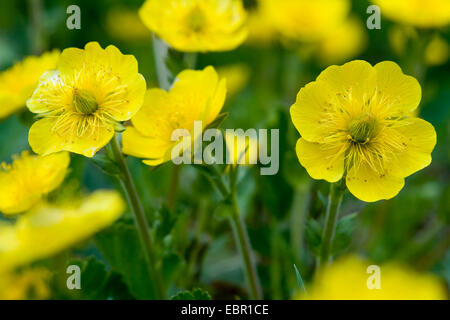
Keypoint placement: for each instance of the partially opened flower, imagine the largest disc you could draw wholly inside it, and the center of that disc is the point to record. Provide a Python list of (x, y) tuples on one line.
[(82, 101), (197, 25), (305, 20), (418, 13), (351, 278), (355, 124), (195, 96), (28, 178), (46, 230), (241, 149), (18, 82)]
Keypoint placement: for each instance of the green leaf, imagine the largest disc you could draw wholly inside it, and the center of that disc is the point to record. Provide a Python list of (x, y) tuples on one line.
[(196, 294), (171, 263), (344, 233), (217, 123), (121, 247), (164, 223), (106, 164), (300, 282), (313, 235)]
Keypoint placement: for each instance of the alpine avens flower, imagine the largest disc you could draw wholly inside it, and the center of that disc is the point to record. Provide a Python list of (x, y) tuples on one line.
[(418, 13), (84, 99), (49, 229), (24, 182), (348, 279), (195, 96), (18, 82), (196, 25), (356, 124), (241, 149), (305, 20)]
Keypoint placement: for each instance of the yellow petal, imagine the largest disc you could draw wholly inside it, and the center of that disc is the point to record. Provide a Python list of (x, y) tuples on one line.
[(314, 101), (418, 139), (320, 160), (150, 120), (44, 140), (56, 228), (140, 146), (354, 82), (28, 178), (202, 91), (401, 93), (51, 94), (368, 185), (18, 82), (13, 198)]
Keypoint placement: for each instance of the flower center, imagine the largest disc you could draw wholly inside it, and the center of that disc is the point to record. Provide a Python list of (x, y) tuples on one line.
[(362, 128), (196, 19), (84, 102)]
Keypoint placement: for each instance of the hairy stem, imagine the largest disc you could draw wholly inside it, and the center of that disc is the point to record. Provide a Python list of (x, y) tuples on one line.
[(141, 221), (332, 216)]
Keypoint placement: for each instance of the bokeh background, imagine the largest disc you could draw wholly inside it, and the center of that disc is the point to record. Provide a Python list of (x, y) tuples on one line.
[(283, 212)]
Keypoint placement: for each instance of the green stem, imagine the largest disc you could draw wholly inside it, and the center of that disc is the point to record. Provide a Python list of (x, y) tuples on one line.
[(141, 221), (242, 240), (35, 9), (171, 197), (160, 52), (239, 230), (190, 58), (334, 204)]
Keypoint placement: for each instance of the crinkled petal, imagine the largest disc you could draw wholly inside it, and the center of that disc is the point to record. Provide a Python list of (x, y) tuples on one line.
[(51, 94), (353, 83), (395, 90)]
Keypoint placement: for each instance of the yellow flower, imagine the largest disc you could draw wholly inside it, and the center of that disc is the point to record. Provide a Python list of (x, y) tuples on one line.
[(81, 102), (355, 123), (243, 149), (195, 96), (237, 76), (18, 82), (27, 284), (347, 41), (260, 30), (28, 178), (418, 13), (197, 25), (305, 20), (348, 279), (46, 230)]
